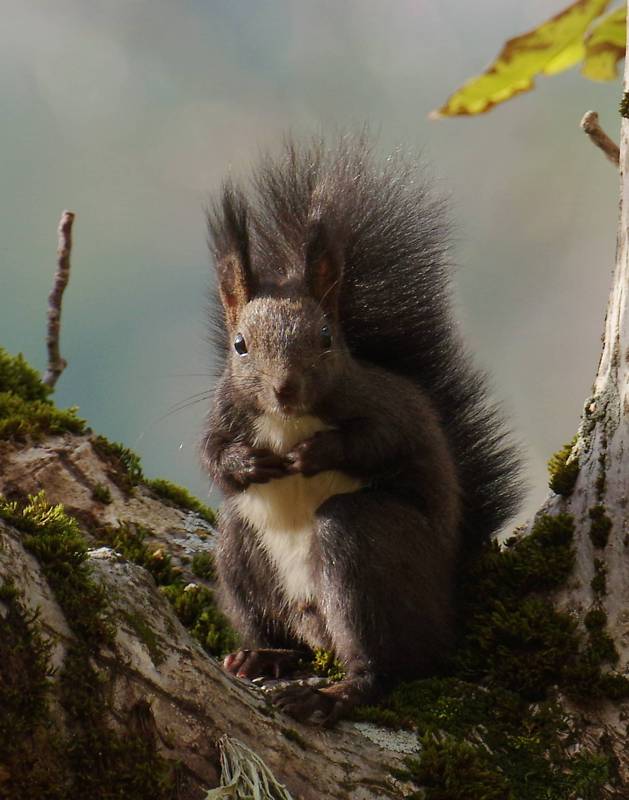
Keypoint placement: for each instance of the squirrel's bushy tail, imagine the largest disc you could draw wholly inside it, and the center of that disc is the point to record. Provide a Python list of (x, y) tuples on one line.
[(395, 305)]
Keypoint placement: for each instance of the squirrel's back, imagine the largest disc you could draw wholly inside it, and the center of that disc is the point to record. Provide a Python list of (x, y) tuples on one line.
[(395, 307)]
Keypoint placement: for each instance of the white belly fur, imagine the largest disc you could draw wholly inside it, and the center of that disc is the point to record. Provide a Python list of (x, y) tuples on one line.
[(282, 511)]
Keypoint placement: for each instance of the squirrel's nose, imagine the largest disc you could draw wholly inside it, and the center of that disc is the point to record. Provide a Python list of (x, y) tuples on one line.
[(286, 392)]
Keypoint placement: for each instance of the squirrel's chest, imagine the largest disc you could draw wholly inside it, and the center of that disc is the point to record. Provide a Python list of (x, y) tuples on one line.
[(282, 511)]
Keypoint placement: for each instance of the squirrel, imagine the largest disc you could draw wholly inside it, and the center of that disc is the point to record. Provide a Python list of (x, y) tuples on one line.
[(360, 458)]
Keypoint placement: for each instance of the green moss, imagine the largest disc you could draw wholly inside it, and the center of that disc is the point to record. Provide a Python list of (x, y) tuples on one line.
[(194, 605), (203, 566), (196, 608), (477, 739), (55, 540), (595, 620), (33, 419), (125, 465), (181, 498), (600, 526), (563, 473), (514, 638), (455, 770), (25, 670), (101, 494), (614, 686), (326, 665), (598, 583), (130, 540), (29, 753), (26, 411), (292, 735), (18, 378), (103, 763), (624, 106)]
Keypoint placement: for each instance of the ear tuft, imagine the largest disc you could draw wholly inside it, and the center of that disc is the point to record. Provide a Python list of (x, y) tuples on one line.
[(230, 236), (323, 266)]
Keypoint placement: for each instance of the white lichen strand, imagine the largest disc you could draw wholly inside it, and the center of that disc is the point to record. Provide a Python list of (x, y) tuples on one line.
[(244, 776)]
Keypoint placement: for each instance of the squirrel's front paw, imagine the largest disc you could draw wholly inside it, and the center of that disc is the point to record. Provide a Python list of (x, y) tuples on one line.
[(313, 455), (259, 466)]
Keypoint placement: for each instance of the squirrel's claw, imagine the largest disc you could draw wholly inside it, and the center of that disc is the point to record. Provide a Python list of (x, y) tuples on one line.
[(307, 704), (274, 663), (261, 466)]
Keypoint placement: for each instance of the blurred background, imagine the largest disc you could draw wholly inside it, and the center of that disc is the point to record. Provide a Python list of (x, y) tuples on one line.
[(129, 112)]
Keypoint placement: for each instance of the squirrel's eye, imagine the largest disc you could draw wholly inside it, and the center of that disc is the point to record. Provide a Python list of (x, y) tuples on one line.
[(240, 345), (326, 338)]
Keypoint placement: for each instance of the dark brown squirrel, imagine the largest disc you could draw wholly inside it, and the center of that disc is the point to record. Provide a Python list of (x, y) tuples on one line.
[(360, 458)]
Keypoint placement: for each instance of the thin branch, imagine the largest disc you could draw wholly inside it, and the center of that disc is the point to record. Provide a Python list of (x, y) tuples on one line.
[(56, 364), (597, 135)]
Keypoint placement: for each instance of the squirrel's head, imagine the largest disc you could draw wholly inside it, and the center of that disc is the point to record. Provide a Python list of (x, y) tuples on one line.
[(286, 350)]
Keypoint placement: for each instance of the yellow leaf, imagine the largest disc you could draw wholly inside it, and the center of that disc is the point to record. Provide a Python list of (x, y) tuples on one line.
[(605, 46), (569, 57), (555, 45)]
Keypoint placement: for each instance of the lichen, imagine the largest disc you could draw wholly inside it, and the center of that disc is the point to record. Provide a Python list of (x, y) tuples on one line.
[(181, 498), (563, 471)]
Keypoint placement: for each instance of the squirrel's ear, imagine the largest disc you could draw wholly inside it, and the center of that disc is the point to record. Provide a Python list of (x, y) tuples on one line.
[(324, 267), (233, 261)]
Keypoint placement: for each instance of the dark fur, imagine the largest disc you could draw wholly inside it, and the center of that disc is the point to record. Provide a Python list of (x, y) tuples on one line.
[(411, 412)]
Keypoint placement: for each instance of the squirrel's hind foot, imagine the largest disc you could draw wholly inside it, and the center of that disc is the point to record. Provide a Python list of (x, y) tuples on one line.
[(319, 706), (266, 662)]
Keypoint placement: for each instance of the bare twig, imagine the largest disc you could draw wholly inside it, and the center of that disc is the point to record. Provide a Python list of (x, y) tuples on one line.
[(597, 135), (56, 364)]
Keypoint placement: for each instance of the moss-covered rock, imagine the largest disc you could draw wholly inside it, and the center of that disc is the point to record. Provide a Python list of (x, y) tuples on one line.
[(26, 411), (91, 759), (563, 471), (125, 465), (196, 608)]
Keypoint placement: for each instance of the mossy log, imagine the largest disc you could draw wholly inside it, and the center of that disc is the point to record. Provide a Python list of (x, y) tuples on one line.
[(163, 699)]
